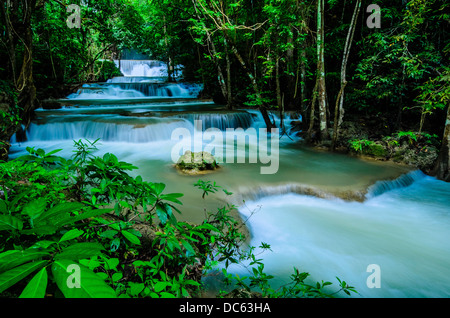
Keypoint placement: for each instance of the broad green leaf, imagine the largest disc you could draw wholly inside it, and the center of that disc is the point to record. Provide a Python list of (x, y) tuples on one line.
[(173, 197), (3, 207), (109, 234), (37, 286), (69, 219), (131, 237), (160, 286), (53, 152), (161, 212), (117, 276), (70, 235), (46, 229), (158, 188), (90, 284), (42, 244), (136, 288), (13, 276), (9, 222), (80, 250), (11, 259), (59, 210), (34, 208), (188, 246), (112, 263)]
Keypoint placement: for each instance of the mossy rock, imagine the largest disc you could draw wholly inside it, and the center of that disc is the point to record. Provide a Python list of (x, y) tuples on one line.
[(376, 150), (197, 163)]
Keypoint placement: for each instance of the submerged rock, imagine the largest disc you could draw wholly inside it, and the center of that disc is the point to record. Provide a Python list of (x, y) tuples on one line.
[(197, 163)]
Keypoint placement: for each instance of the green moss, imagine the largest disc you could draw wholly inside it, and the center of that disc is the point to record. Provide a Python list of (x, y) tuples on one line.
[(376, 150)]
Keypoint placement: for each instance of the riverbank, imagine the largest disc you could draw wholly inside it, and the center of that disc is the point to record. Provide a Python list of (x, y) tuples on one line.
[(370, 138)]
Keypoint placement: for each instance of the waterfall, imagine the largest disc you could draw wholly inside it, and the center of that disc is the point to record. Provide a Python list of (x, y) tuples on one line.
[(143, 79), (403, 181), (141, 67), (106, 131), (221, 121), (148, 68)]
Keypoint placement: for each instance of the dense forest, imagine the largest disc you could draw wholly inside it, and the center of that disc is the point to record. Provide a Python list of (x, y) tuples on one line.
[(333, 62), (370, 78)]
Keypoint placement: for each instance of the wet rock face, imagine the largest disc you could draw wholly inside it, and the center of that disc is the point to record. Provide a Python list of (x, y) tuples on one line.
[(197, 163)]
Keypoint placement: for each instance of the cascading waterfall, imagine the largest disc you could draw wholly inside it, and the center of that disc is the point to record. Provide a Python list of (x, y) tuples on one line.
[(403, 224), (403, 181), (147, 68), (142, 79)]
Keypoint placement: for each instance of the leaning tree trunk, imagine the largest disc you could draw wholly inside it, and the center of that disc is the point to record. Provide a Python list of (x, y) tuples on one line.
[(442, 167)]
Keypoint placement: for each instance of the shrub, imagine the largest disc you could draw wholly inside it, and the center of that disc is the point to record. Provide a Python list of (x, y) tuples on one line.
[(86, 223)]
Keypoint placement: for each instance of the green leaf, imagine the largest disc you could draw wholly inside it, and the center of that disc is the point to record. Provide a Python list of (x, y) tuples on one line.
[(188, 246), (131, 237), (117, 276), (70, 235), (158, 187), (90, 284), (46, 229), (112, 263), (35, 207), (80, 250), (83, 216), (160, 286), (37, 286), (136, 288), (173, 197), (9, 222), (161, 212), (109, 234), (13, 276), (62, 209), (11, 259), (42, 244), (71, 219)]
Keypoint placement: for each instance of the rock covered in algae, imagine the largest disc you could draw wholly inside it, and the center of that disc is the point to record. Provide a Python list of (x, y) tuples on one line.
[(197, 163)]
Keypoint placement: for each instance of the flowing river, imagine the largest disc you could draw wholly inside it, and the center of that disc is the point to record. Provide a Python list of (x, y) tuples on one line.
[(324, 213)]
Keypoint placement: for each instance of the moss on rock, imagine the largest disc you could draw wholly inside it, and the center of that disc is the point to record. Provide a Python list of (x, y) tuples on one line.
[(197, 163)]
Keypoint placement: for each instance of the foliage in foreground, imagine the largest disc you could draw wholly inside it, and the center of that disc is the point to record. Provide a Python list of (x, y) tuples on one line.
[(83, 227)]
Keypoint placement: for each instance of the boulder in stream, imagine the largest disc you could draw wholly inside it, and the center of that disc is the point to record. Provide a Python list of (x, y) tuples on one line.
[(194, 163)]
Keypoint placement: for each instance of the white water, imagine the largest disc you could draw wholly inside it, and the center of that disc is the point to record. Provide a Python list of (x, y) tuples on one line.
[(148, 68), (403, 226), (142, 79), (404, 230)]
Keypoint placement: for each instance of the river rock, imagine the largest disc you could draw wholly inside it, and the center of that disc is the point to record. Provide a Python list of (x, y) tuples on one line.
[(197, 163)]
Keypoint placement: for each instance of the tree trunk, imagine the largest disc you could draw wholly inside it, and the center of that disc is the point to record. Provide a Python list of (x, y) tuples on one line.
[(25, 83), (442, 167), (227, 57), (303, 83), (339, 111), (262, 107), (312, 116), (279, 99), (221, 79), (169, 56), (321, 87)]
